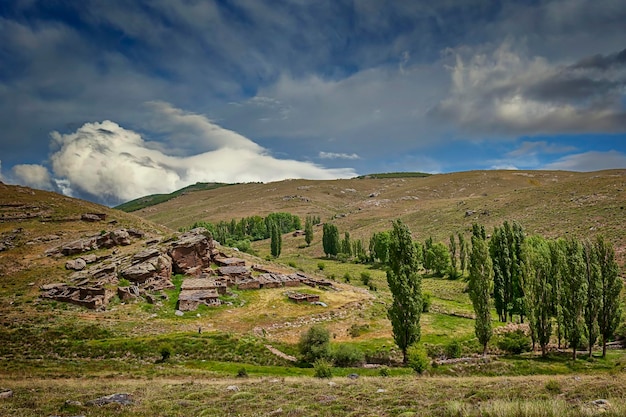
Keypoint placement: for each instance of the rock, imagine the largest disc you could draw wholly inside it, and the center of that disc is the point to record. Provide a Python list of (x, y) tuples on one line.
[(353, 376), (79, 246), (191, 252), (380, 390), (275, 412), (601, 404), (128, 293), (118, 237), (179, 313), (155, 267), (145, 254), (5, 393), (77, 264), (48, 287), (73, 403), (150, 299), (122, 399), (89, 259), (136, 233), (90, 217), (233, 388)]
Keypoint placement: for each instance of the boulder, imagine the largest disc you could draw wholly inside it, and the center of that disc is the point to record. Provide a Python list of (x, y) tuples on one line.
[(115, 238), (145, 255), (128, 293), (122, 399), (91, 258), (5, 393), (90, 217), (157, 267), (77, 264), (79, 246), (191, 252)]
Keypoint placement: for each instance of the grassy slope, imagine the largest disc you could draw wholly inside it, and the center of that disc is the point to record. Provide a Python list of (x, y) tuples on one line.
[(154, 199), (544, 202)]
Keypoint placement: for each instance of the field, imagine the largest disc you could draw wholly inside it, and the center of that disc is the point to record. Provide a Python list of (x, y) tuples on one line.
[(56, 357)]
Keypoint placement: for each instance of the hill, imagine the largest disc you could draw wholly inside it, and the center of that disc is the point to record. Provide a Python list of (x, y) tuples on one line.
[(550, 203), (153, 199)]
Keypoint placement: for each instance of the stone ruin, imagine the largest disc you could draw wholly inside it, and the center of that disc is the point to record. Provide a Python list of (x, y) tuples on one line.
[(149, 271)]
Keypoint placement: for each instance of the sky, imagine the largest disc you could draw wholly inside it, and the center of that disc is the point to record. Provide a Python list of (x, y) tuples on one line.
[(112, 100)]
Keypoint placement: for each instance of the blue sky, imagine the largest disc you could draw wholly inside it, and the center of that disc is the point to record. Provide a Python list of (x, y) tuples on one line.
[(112, 100)]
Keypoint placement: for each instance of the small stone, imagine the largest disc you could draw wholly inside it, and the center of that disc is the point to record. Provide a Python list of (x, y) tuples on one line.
[(122, 399), (233, 388), (179, 313), (353, 376), (5, 393), (332, 384), (380, 390), (74, 403)]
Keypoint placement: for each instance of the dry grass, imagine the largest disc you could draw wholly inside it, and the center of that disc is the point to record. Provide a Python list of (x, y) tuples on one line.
[(366, 396)]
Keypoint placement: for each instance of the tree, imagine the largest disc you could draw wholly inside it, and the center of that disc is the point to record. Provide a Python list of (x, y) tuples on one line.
[(505, 248), (539, 297), (480, 277), (463, 251), (308, 231), (379, 247), (573, 292), (593, 298), (610, 287), (330, 239), (453, 251), (346, 245), (557, 259), (276, 240), (315, 343), (437, 258), (405, 285)]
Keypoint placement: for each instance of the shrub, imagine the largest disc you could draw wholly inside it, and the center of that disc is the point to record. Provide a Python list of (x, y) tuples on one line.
[(426, 302), (553, 386), (453, 273), (515, 342), (383, 371), (434, 351), (365, 278), (342, 257), (373, 287), (357, 330), (315, 343), (292, 264), (165, 351), (418, 359), (321, 266), (242, 373), (453, 349), (346, 355), (323, 368), (124, 282), (347, 277)]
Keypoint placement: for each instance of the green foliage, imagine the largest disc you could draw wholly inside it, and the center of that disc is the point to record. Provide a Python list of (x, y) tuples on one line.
[(315, 343), (321, 266), (427, 301), (453, 250), (308, 230), (276, 242), (357, 330), (553, 386), (365, 278), (453, 349), (573, 293), (610, 288), (463, 251), (165, 350), (242, 373), (593, 296), (154, 199), (346, 245), (383, 371), (123, 282), (418, 360), (323, 368), (479, 286), (405, 286), (346, 355), (330, 239), (515, 342), (347, 277), (379, 247), (437, 258)]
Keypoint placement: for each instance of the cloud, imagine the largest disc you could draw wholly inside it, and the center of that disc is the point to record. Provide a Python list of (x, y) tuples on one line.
[(589, 161), (111, 164), (506, 92), (32, 175), (528, 148), (333, 155)]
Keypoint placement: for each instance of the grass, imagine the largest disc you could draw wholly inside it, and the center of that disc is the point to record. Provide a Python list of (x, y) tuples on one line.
[(297, 396)]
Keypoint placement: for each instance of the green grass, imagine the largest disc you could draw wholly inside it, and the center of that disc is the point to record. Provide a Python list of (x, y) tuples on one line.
[(154, 199)]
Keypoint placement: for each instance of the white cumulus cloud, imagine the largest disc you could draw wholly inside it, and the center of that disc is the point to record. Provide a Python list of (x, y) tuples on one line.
[(33, 175), (335, 155), (112, 164), (589, 161)]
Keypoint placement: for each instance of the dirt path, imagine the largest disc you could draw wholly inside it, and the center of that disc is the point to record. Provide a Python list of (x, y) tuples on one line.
[(281, 354)]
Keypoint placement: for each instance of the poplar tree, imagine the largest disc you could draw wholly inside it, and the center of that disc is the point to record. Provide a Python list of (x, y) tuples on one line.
[(453, 251), (505, 248), (308, 231), (275, 240), (330, 239), (537, 275), (405, 285), (610, 287), (573, 293), (593, 297), (346, 245), (480, 277), (557, 259), (463, 249)]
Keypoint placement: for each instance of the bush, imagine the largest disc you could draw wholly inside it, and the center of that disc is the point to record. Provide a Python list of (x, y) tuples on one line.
[(418, 359), (383, 371), (365, 278), (453, 349), (346, 355), (515, 342), (357, 330), (321, 266), (242, 373), (292, 264), (323, 369), (165, 351), (426, 302), (347, 277), (342, 257), (553, 386), (454, 274), (315, 344)]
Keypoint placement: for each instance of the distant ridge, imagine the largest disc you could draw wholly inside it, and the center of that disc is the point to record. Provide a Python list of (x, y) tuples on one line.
[(154, 199), (396, 175)]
